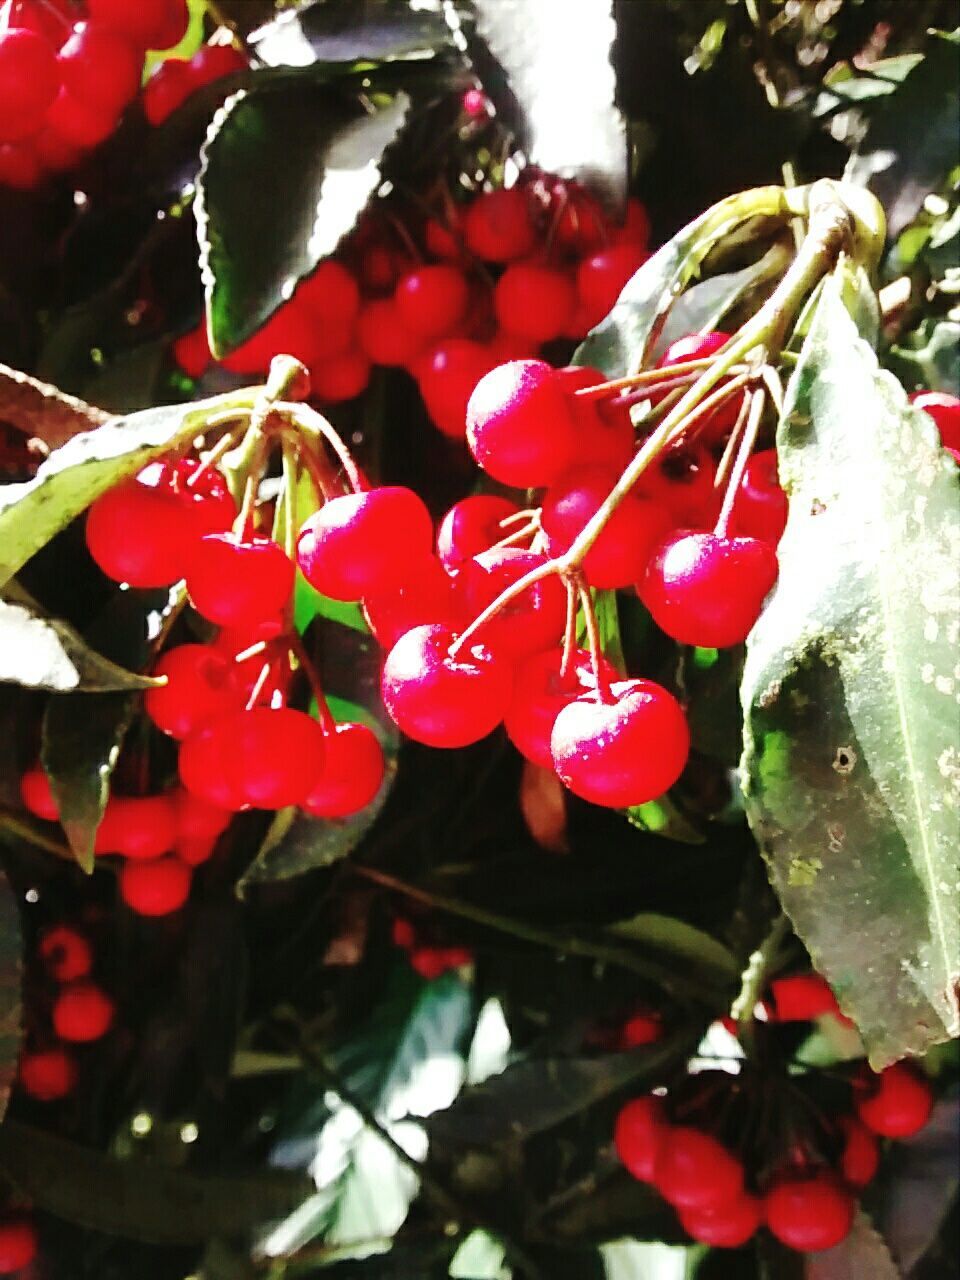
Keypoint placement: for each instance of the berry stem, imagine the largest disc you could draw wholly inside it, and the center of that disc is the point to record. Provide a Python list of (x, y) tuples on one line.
[(519, 535), (601, 390), (594, 643), (316, 426), (291, 523), (730, 448), (754, 416), (755, 975), (226, 442), (326, 717), (261, 680), (570, 632), (515, 589)]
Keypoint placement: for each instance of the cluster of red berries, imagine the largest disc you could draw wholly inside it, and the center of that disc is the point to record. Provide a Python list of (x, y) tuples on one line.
[(81, 1012), (18, 1242), (421, 296), (175, 79), (807, 1200), (429, 961), (64, 84)]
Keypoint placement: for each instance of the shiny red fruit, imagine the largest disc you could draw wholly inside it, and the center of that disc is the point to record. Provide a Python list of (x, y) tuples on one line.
[(602, 277), (155, 888), (604, 431), (708, 590), (361, 543), (29, 80), (426, 594), (196, 820), (694, 1171), (622, 550), (530, 621), (146, 22), (636, 225), (139, 827), (696, 346), (100, 65), (432, 962), (66, 954), (944, 409), (433, 300), (681, 480), (860, 1156), (802, 996), (640, 1030), (262, 759), (896, 1102), (330, 296), (191, 351), (760, 507), (535, 301), (47, 1075), (82, 1013), (623, 752), (519, 427), (471, 526), (18, 1242), (352, 773), (581, 226), (728, 1226), (139, 534), (201, 494), (439, 700), (37, 796), (498, 226), (447, 376), (214, 61), (809, 1213), (340, 377), (201, 685), (540, 693), (174, 26), (169, 86), (20, 166), (639, 1134), (83, 123), (237, 581), (383, 337)]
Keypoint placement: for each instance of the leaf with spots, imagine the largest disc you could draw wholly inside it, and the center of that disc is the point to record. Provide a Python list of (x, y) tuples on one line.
[(851, 767)]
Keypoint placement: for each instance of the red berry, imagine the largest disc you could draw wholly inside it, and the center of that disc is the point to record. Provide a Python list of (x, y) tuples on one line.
[(139, 827), (101, 66), (329, 302), (505, 346), (403, 934), (896, 1102), (432, 300), (382, 335), (148, 22), (195, 852), (860, 1156), (214, 61), (498, 226), (196, 820), (944, 409), (539, 695), (361, 543), (475, 103), (624, 752), (155, 888), (760, 508), (444, 240), (447, 376), (471, 526), (236, 581), (263, 758), (201, 685), (641, 1029), (728, 1226), (535, 301), (695, 346), (340, 377), (66, 954), (801, 997), (708, 590), (638, 1136), (622, 550), (439, 700), (191, 351), (604, 431), (352, 773), (18, 1242), (37, 796), (169, 86), (82, 1012), (636, 225), (681, 481), (83, 123), (433, 962), (19, 165), (694, 1171), (47, 1075), (809, 1213), (29, 80), (529, 622), (381, 267), (601, 278), (426, 594), (139, 534), (519, 427), (201, 495), (581, 226)]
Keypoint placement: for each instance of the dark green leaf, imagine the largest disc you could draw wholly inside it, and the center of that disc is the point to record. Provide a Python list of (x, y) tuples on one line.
[(138, 1200), (851, 768), (267, 214), (337, 31), (911, 145), (10, 974), (863, 1253), (86, 466), (666, 935)]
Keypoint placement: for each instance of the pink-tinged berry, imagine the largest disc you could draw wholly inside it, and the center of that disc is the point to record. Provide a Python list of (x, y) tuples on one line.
[(383, 337), (695, 1171), (944, 409), (519, 427), (602, 277), (531, 621), (696, 346), (604, 431), (82, 1012), (66, 954), (535, 301), (139, 534), (708, 590), (639, 1134), (540, 693), (425, 594), (351, 775), (47, 1075), (498, 226), (809, 1213), (471, 526), (444, 701), (728, 1226), (236, 581), (155, 888), (895, 1102), (623, 752)]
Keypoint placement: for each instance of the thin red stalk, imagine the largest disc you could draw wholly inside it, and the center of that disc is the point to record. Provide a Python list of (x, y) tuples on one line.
[(593, 642), (757, 400)]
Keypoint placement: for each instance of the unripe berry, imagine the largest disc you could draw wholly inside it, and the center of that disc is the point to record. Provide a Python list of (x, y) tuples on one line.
[(728, 1226), (139, 827), (530, 621), (896, 1102), (760, 507), (361, 543), (535, 301), (708, 590), (623, 752), (352, 773), (66, 954), (498, 226), (439, 700), (639, 1134), (432, 300), (237, 581), (82, 1013), (472, 525), (99, 65), (602, 277), (944, 409), (37, 796), (540, 693), (18, 1242), (809, 1213), (519, 427), (155, 888), (694, 1171), (47, 1075), (29, 80), (201, 685)]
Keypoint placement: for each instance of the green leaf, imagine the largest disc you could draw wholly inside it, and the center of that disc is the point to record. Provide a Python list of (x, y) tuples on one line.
[(268, 213), (911, 145), (863, 1253), (664, 817), (11, 1011), (137, 1200), (677, 938), (77, 473), (851, 765), (41, 652)]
